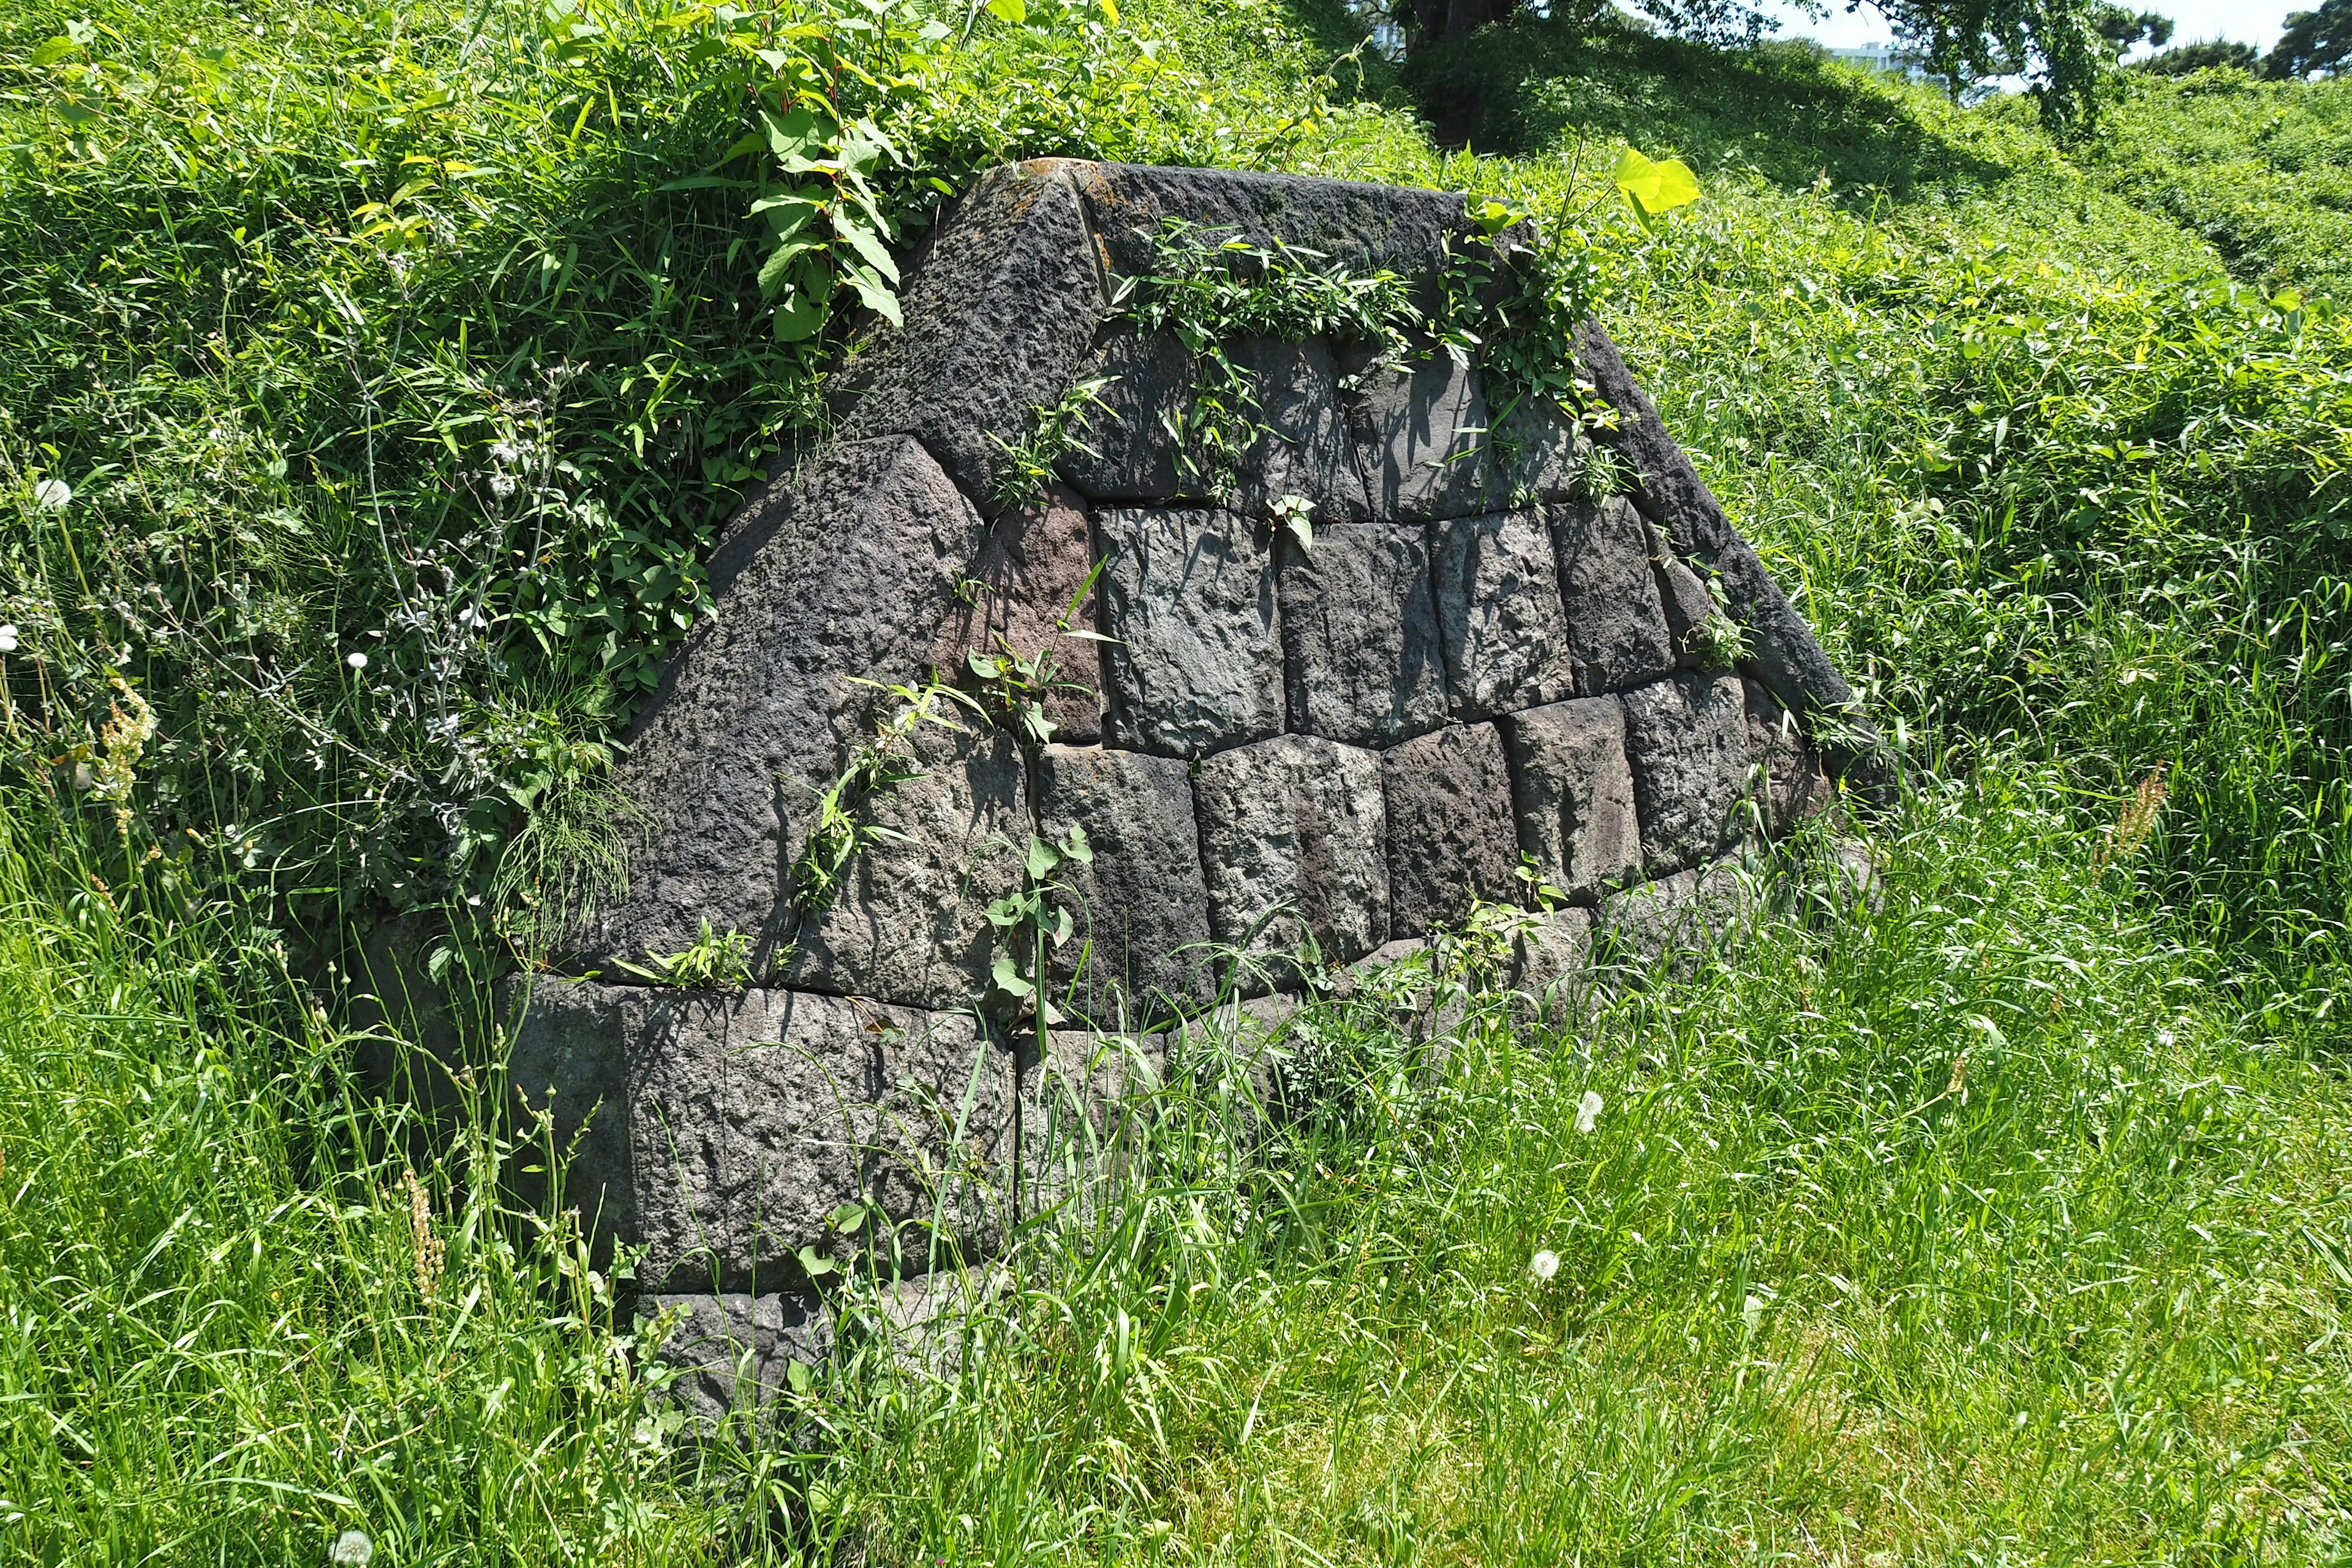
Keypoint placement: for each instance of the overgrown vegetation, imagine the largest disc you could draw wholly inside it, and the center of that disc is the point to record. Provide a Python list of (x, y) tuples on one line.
[(374, 384)]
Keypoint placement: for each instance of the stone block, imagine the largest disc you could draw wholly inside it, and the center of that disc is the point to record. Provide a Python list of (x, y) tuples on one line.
[(1550, 961), (1499, 608), (1451, 839), (909, 924), (1143, 901), (1031, 568), (1366, 660), (1420, 439), (1783, 765), (850, 571), (1293, 838), (1540, 452), (1688, 604), (1188, 594), (1572, 793), (1616, 626), (1686, 738), (722, 1129), (1667, 925), (1349, 225), (733, 1353), (999, 311), (1300, 447)]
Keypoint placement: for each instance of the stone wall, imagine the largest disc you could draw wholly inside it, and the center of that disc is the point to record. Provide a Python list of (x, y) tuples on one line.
[(1350, 741)]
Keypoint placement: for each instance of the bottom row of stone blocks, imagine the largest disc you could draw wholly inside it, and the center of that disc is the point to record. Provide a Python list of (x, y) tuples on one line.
[(722, 1133), (727, 1133)]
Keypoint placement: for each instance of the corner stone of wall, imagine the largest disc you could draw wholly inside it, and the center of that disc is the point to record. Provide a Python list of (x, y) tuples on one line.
[(1266, 742)]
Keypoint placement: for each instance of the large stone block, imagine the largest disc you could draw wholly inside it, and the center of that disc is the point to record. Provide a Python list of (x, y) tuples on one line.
[(1366, 660), (999, 311), (1420, 439), (1448, 797), (1143, 897), (1348, 224), (1188, 597), (722, 1129), (1690, 608), (1783, 765), (1299, 441), (1031, 568), (851, 572), (1667, 925), (1295, 825), (910, 925), (1616, 626), (733, 1353), (1688, 740), (1541, 451), (1499, 607), (1572, 793), (1549, 965)]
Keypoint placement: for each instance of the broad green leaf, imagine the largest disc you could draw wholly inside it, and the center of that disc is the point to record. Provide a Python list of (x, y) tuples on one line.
[(1008, 978), (1044, 859), (876, 294), (816, 1263), (800, 317), (869, 244), (1655, 189), (1014, 11), (53, 51)]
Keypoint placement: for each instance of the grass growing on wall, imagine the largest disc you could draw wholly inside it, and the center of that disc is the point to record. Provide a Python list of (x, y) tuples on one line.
[(423, 334)]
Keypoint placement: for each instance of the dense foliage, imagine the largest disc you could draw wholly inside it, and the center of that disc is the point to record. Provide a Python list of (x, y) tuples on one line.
[(373, 382)]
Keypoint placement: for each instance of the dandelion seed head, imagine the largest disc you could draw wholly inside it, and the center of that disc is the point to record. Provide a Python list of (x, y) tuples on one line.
[(1588, 1111), (352, 1549), (1544, 1264), (502, 485), (8, 639), (52, 493), (356, 660)]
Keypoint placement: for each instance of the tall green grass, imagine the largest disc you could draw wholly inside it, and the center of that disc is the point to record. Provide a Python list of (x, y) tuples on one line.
[(234, 1322), (1976, 1226)]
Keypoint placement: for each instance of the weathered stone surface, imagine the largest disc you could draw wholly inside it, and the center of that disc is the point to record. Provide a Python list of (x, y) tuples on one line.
[(1295, 820), (1550, 964), (1540, 452), (1302, 447), (1689, 606), (1142, 896), (1189, 597), (851, 572), (1499, 607), (998, 314), (1354, 226), (1793, 786), (1366, 663), (1572, 793), (1669, 923), (1449, 826), (1032, 566), (1420, 439), (1686, 738), (1616, 627), (723, 1128), (911, 925), (734, 1353)]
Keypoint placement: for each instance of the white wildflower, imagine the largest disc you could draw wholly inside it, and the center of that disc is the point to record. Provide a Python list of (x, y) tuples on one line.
[(9, 637), (1587, 1109), (1543, 1264), (504, 453), (502, 485), (352, 1549), (356, 660), (52, 493)]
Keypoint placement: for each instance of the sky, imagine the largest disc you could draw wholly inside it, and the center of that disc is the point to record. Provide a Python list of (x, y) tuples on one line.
[(2256, 22)]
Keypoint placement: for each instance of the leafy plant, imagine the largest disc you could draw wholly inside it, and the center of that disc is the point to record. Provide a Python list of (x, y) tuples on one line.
[(1054, 432), (714, 961), (843, 826)]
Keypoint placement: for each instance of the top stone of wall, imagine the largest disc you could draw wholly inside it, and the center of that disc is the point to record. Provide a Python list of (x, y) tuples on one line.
[(1474, 661)]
